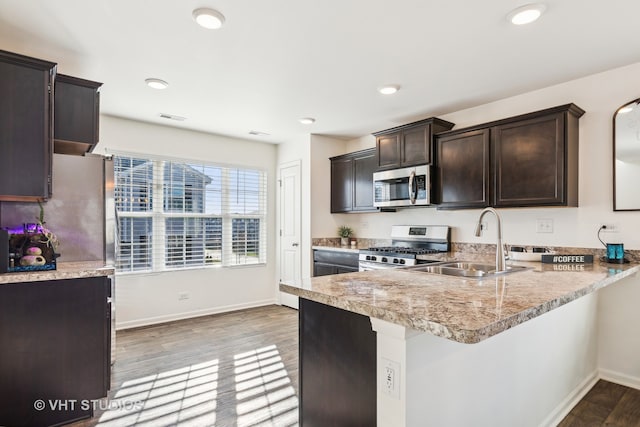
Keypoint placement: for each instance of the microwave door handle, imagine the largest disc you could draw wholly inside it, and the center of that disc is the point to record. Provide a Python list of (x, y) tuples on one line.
[(412, 192)]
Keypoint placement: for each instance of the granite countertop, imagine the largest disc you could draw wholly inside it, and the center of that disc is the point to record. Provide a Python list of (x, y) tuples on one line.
[(347, 249), (65, 270), (460, 309)]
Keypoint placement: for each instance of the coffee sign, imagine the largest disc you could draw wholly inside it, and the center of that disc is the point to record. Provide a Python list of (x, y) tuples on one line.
[(566, 259)]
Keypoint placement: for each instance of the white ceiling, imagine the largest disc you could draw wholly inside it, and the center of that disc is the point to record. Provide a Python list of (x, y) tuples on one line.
[(276, 61)]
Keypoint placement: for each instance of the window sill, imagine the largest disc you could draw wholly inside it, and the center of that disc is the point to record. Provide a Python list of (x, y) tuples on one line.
[(174, 270)]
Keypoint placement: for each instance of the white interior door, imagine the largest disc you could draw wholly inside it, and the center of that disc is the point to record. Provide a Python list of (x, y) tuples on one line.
[(290, 230)]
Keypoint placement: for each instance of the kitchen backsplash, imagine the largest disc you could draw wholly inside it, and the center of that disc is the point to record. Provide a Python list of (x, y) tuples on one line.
[(361, 243), (458, 249)]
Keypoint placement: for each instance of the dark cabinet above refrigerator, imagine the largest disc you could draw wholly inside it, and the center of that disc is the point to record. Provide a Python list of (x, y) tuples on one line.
[(77, 115), (41, 112)]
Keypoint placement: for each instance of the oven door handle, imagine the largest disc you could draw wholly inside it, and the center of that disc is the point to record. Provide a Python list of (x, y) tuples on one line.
[(413, 193)]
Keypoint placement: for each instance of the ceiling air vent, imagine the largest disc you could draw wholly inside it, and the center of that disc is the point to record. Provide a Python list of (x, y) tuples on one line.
[(172, 117)]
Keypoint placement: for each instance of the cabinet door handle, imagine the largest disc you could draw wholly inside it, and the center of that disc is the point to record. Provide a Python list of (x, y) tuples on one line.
[(294, 244)]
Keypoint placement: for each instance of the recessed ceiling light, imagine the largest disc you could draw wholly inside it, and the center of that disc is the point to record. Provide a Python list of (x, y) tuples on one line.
[(389, 89), (307, 120), (258, 133), (172, 117), (526, 14), (208, 18), (156, 83), (626, 109)]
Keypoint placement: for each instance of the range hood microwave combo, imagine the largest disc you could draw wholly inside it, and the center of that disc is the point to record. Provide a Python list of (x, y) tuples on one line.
[(402, 187)]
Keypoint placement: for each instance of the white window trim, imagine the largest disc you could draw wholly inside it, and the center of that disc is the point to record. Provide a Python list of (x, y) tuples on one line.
[(158, 217)]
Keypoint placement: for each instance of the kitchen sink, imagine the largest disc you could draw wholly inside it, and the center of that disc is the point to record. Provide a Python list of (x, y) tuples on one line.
[(467, 269)]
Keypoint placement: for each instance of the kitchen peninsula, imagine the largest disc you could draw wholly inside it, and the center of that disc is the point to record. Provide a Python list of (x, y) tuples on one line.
[(517, 349)]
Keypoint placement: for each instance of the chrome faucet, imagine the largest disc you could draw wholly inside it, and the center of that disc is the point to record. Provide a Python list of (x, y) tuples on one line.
[(500, 260)]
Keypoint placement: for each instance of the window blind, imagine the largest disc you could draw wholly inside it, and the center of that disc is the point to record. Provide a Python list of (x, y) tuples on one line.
[(175, 214)]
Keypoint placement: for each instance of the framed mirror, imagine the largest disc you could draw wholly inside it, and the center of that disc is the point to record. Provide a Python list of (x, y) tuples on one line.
[(626, 157)]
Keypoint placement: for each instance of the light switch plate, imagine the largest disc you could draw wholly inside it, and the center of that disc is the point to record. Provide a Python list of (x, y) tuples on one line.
[(544, 225)]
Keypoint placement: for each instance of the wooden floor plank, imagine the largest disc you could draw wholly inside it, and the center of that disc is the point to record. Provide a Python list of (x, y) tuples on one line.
[(232, 369), (606, 394), (241, 369), (606, 404), (627, 412)]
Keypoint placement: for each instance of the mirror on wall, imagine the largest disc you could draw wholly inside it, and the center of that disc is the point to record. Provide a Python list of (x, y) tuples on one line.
[(626, 157)]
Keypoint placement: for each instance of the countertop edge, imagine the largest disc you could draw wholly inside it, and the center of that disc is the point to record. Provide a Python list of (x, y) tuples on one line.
[(336, 249), (69, 270), (465, 336)]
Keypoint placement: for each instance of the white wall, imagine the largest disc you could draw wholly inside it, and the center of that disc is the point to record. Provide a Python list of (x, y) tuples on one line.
[(618, 337), (323, 222), (150, 298), (599, 95)]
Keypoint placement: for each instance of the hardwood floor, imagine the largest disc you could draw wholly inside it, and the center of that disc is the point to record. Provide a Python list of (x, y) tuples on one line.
[(606, 404), (241, 369), (232, 369)]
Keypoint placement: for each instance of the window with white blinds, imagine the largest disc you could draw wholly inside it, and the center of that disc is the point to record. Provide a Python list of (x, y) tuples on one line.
[(176, 214)]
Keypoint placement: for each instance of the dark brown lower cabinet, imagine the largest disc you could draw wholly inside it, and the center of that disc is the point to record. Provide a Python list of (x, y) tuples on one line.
[(337, 367), (55, 340), (326, 262)]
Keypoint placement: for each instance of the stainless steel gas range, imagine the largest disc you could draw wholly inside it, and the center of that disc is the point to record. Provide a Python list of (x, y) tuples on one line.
[(410, 245)]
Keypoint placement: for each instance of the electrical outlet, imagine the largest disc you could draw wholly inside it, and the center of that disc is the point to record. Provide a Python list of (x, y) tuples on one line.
[(609, 227), (391, 378), (364, 225), (183, 296), (544, 225), (484, 226)]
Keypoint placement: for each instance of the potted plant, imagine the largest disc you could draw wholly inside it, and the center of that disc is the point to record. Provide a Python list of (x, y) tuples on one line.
[(345, 232)]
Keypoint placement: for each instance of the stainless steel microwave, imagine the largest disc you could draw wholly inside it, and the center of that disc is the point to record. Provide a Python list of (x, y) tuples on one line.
[(402, 187)]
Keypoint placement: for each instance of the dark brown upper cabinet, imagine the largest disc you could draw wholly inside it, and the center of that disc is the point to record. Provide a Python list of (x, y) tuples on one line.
[(408, 145), (462, 178), (26, 106), (527, 160), (352, 181), (77, 114)]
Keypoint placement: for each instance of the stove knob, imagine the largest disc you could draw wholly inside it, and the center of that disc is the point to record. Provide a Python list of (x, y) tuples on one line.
[(373, 258), (384, 259), (401, 261), (368, 258), (396, 260)]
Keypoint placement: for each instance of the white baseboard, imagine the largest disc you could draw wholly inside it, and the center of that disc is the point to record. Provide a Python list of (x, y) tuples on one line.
[(579, 392), (619, 378), (190, 314), (570, 401)]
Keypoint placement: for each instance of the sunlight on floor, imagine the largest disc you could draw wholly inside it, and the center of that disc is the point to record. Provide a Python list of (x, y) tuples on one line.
[(263, 389), (257, 384), (184, 396)]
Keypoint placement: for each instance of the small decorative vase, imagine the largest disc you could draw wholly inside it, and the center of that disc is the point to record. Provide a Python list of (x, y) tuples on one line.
[(344, 241)]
